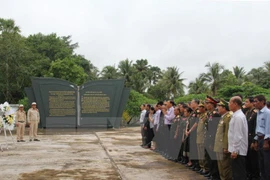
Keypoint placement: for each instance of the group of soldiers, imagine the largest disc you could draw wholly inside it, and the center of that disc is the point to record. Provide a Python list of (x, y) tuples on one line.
[(217, 139), (32, 119)]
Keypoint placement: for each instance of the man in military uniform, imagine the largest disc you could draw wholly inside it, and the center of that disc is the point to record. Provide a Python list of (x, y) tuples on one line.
[(192, 131), (211, 129), (20, 123), (221, 141), (252, 161), (33, 119), (200, 139)]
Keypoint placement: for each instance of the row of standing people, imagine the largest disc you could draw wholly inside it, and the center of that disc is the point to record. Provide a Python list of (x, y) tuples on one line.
[(217, 139)]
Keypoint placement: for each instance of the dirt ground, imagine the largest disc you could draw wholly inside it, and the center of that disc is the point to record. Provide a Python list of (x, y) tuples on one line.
[(68, 154)]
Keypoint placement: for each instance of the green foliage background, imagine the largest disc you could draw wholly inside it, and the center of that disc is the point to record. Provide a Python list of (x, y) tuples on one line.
[(51, 55)]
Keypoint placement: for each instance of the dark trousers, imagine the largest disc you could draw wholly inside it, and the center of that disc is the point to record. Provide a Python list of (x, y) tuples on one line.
[(143, 135), (264, 161), (149, 136), (239, 168), (252, 163), (210, 157)]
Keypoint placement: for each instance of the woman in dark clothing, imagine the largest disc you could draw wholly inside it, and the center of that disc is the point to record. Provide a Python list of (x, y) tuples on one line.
[(174, 136), (187, 112)]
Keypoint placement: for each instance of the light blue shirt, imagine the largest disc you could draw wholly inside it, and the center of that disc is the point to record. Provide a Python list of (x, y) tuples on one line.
[(238, 133), (169, 116), (263, 123)]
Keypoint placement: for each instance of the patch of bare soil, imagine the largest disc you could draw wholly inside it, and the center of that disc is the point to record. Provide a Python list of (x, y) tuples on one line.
[(76, 174)]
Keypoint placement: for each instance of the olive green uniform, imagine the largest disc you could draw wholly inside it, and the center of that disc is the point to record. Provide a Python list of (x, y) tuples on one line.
[(221, 143)]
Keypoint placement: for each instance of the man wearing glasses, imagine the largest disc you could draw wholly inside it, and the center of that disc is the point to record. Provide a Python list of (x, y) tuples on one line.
[(261, 142)]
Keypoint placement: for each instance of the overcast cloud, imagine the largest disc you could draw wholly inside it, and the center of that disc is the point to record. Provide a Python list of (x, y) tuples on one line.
[(167, 33)]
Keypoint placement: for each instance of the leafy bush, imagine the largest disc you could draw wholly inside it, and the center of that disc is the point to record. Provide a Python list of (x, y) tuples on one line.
[(25, 103), (135, 101)]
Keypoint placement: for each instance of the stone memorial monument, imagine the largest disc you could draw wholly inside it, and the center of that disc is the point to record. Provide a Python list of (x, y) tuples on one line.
[(94, 104)]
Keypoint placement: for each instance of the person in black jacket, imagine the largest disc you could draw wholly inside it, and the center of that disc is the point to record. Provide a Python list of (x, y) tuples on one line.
[(146, 123), (252, 162)]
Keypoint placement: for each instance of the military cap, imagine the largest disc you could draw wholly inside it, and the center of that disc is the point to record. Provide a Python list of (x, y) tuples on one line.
[(21, 105), (223, 103), (34, 103), (201, 104), (209, 99)]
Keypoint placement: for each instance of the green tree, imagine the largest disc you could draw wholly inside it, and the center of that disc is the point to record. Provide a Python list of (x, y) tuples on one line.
[(126, 70), (51, 46), (139, 82), (142, 66), (88, 67), (228, 78), (8, 26), (15, 66), (68, 70), (213, 76), (153, 74), (259, 76), (135, 101), (109, 72), (157, 91), (173, 82), (239, 72), (198, 86), (267, 66)]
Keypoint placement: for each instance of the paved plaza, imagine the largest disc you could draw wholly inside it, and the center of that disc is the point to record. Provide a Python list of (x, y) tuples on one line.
[(67, 154)]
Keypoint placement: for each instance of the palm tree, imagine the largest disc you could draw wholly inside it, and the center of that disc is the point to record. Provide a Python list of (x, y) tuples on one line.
[(139, 83), (153, 74), (213, 76), (239, 72), (109, 72), (256, 75), (142, 66), (173, 82), (267, 66), (198, 86), (125, 70)]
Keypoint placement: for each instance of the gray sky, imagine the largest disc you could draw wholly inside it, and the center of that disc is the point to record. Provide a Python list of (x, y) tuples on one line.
[(186, 34)]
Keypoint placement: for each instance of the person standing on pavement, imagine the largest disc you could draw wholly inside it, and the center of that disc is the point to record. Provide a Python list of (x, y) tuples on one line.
[(252, 162), (261, 143), (33, 119), (238, 139), (221, 142), (20, 123), (143, 112)]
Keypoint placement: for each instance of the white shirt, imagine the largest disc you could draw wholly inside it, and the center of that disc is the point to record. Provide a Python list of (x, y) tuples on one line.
[(152, 124), (169, 117), (238, 133), (157, 117), (143, 112)]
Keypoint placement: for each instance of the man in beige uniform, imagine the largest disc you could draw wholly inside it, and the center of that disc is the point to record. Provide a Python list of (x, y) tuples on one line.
[(221, 141), (33, 119), (20, 123)]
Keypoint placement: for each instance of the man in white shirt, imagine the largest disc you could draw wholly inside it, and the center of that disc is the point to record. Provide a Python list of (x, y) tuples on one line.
[(143, 112), (169, 113), (238, 139)]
